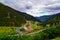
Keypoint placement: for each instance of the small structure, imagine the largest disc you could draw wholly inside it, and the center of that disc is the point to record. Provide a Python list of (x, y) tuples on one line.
[(27, 27)]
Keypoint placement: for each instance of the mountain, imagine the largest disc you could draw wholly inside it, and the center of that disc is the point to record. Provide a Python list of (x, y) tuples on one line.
[(53, 21), (43, 18), (11, 17), (50, 20), (55, 18), (46, 17)]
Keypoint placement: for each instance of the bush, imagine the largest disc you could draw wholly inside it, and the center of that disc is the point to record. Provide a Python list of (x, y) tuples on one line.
[(26, 37), (47, 34)]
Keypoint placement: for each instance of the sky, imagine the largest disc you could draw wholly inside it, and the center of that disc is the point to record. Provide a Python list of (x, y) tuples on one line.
[(35, 8)]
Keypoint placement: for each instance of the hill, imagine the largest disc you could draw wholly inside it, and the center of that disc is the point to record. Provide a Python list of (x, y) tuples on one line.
[(53, 20), (44, 18), (11, 17)]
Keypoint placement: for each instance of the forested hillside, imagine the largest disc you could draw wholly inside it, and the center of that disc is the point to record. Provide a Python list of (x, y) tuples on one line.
[(53, 20), (11, 17)]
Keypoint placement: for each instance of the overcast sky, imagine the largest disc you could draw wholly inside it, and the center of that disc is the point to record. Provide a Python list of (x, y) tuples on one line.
[(35, 8)]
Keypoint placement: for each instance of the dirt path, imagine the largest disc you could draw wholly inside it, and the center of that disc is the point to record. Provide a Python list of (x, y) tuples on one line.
[(31, 33), (36, 32)]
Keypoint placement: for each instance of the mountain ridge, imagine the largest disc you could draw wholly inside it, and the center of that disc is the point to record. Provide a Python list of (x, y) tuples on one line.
[(16, 17), (46, 17)]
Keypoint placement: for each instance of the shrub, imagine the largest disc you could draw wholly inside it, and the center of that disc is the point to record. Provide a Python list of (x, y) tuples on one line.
[(47, 34)]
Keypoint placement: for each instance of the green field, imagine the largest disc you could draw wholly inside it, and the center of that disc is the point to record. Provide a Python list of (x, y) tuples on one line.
[(5, 29)]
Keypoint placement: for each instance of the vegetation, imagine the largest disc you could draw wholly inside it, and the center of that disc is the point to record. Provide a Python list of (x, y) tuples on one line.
[(10, 19), (57, 38), (53, 20), (47, 34), (5, 29)]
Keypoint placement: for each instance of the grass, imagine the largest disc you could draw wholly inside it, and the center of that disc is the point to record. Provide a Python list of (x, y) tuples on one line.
[(12, 29), (57, 38), (7, 29), (49, 33), (35, 25)]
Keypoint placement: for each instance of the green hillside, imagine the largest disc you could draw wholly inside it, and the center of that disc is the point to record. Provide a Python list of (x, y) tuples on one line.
[(53, 20), (9, 17)]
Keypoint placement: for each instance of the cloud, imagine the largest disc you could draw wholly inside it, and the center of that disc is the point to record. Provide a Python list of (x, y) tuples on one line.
[(53, 8), (33, 6)]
